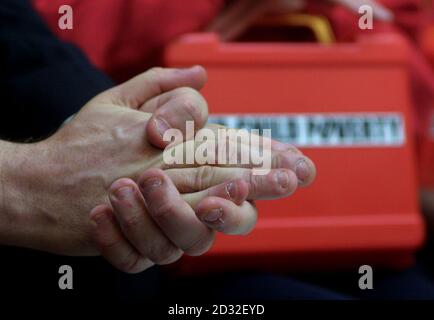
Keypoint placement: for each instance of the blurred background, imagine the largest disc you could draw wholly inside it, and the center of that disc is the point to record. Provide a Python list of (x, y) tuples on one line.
[(349, 82)]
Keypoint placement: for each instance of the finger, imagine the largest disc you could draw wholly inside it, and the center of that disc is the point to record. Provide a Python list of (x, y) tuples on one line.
[(112, 245), (278, 183), (174, 109), (219, 135), (225, 216), (302, 166), (173, 215), (227, 150), (235, 190), (151, 83), (137, 226)]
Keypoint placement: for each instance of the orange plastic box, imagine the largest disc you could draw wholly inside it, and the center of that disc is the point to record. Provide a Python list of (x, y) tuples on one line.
[(347, 107), (426, 142)]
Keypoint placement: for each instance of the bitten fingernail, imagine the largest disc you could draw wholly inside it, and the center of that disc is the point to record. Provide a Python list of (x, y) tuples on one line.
[(213, 215), (99, 218), (124, 192), (231, 190), (161, 125), (283, 179), (150, 184), (302, 170)]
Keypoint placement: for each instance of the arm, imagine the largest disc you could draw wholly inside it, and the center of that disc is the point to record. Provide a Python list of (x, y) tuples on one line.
[(7, 215), (18, 217)]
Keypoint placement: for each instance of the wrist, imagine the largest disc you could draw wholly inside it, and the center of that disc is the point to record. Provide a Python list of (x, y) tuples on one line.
[(16, 212)]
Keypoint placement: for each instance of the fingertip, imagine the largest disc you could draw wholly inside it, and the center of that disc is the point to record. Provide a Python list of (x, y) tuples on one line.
[(155, 129), (154, 182), (224, 216), (151, 173), (285, 182), (302, 166), (212, 213), (202, 75), (100, 213), (121, 183), (307, 175), (205, 204), (238, 190)]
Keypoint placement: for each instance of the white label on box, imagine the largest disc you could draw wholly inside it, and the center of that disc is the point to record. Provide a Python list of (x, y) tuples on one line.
[(324, 129)]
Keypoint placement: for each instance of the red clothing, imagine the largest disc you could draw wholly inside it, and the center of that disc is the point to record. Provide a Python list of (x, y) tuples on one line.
[(123, 38)]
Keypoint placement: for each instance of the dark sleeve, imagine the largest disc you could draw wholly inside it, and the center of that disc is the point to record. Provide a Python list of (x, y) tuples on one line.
[(42, 80)]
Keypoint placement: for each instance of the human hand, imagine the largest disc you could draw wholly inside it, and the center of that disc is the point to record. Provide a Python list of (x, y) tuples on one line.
[(49, 187), (152, 223), (55, 183)]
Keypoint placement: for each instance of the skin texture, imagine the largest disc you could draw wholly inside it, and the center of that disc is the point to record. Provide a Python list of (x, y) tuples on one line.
[(108, 161)]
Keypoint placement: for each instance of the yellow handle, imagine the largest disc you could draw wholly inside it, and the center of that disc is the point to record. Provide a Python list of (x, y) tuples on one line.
[(319, 25)]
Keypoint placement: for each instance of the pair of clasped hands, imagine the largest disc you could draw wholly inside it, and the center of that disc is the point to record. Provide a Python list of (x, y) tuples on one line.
[(108, 161)]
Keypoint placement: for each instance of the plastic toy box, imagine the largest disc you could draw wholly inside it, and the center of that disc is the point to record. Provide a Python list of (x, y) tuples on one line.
[(344, 105)]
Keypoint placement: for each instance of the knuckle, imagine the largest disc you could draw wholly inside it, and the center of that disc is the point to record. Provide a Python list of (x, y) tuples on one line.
[(155, 71), (105, 244), (163, 210), (188, 92), (254, 184), (164, 254), (132, 222), (200, 245), (293, 149), (130, 264), (204, 177), (191, 105)]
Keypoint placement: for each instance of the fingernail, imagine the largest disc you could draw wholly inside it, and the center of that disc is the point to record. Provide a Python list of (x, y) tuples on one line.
[(100, 218), (213, 215), (161, 125), (283, 179), (302, 170), (231, 190), (150, 184), (124, 192)]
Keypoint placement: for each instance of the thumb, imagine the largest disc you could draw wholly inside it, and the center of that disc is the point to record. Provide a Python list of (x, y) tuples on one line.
[(151, 90), (138, 90)]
